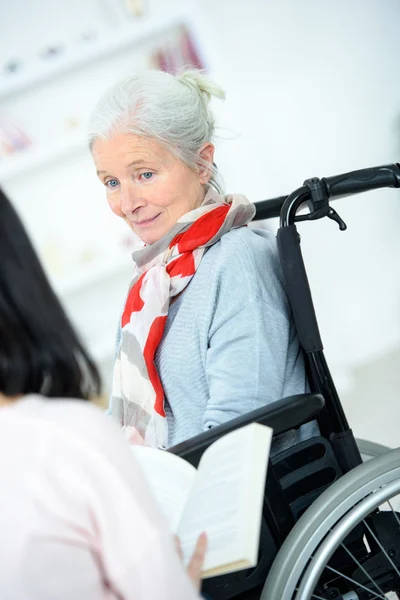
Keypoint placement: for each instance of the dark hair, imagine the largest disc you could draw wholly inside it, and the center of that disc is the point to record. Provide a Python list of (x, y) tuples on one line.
[(39, 349)]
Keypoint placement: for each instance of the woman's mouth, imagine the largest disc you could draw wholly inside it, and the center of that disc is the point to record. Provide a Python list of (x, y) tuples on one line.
[(147, 222)]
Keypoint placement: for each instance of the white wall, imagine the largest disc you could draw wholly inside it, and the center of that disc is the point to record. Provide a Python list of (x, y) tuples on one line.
[(61, 201), (313, 91)]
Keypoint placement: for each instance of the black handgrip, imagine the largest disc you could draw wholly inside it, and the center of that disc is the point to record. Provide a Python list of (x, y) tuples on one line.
[(363, 180), (298, 289)]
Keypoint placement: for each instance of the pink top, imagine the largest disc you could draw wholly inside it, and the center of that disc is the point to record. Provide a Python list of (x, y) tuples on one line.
[(76, 517)]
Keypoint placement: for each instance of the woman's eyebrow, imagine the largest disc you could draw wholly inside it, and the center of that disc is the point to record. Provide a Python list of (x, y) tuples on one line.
[(135, 162), (138, 161)]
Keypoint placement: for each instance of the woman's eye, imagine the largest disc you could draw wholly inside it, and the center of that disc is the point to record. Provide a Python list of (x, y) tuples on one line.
[(147, 175), (111, 183)]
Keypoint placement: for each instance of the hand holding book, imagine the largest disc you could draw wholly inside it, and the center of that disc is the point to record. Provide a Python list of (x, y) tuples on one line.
[(223, 497)]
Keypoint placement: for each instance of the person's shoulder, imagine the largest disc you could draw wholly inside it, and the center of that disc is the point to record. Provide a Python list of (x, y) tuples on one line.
[(255, 240), (71, 441), (246, 260), (254, 250), (70, 418), (245, 241), (79, 434), (249, 235), (64, 410)]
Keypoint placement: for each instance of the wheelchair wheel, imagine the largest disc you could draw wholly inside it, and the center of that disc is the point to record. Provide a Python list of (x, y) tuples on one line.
[(347, 544)]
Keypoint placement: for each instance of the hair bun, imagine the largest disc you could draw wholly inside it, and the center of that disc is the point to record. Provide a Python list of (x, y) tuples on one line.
[(201, 83)]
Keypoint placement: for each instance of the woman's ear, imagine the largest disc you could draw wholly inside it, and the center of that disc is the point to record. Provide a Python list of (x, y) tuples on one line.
[(207, 155)]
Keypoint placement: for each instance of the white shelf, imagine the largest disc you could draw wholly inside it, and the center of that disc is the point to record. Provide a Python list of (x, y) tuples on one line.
[(30, 159), (87, 52), (92, 274)]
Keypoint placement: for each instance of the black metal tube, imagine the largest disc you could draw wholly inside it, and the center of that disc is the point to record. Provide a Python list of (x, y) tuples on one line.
[(292, 204), (322, 377), (268, 209), (298, 289)]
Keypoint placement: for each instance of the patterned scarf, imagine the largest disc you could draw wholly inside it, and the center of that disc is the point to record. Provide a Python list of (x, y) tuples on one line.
[(163, 270)]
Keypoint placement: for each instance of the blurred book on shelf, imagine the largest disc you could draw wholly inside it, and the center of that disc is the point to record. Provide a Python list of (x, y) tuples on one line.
[(12, 139), (178, 51)]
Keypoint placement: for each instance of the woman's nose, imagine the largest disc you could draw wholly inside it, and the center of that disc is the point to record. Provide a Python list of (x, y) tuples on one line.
[(129, 200)]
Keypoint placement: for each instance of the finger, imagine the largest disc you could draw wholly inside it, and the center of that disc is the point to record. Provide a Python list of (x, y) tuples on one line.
[(196, 562)]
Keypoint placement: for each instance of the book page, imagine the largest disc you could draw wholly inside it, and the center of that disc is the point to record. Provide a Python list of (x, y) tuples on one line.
[(229, 486), (170, 479)]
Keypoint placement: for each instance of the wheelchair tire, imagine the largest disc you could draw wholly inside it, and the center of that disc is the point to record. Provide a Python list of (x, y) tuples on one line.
[(322, 528)]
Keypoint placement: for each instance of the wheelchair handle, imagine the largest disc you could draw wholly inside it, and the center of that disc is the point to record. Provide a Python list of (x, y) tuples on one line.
[(317, 193), (337, 186), (363, 180)]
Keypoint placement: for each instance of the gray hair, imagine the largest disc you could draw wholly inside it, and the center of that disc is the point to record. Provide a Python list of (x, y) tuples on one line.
[(172, 109)]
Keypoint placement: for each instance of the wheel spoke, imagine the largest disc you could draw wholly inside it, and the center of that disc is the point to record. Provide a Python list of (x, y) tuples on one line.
[(396, 516), (356, 583), (363, 570), (307, 553), (381, 547)]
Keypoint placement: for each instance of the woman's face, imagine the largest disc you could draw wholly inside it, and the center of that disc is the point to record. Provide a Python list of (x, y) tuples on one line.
[(146, 185)]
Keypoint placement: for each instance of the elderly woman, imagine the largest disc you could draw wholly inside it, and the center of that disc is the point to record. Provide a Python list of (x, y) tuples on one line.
[(206, 332)]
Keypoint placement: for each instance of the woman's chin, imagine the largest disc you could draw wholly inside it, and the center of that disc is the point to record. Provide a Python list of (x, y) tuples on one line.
[(146, 237), (149, 239), (150, 233)]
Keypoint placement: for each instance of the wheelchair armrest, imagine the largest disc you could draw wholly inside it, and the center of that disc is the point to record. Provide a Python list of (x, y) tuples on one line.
[(281, 416)]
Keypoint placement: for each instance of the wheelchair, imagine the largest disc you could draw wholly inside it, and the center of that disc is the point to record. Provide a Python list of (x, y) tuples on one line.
[(330, 528)]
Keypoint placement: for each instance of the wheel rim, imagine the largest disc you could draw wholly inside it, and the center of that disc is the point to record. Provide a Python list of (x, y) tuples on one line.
[(312, 574), (324, 513), (334, 516)]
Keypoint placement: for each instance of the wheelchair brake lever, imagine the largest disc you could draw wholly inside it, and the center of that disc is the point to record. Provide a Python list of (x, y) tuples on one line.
[(332, 214), (320, 214), (319, 204)]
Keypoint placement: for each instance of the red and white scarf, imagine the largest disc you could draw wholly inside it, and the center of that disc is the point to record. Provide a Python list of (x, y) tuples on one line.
[(162, 270)]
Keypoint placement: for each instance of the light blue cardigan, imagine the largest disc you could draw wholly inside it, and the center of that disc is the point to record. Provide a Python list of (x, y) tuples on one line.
[(230, 344)]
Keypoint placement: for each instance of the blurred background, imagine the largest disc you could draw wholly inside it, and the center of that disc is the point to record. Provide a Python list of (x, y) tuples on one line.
[(312, 90)]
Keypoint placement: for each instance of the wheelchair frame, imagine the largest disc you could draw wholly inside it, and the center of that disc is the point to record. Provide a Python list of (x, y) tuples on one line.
[(297, 477)]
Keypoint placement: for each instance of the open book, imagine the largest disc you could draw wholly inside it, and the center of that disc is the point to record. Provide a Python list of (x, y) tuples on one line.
[(223, 497)]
